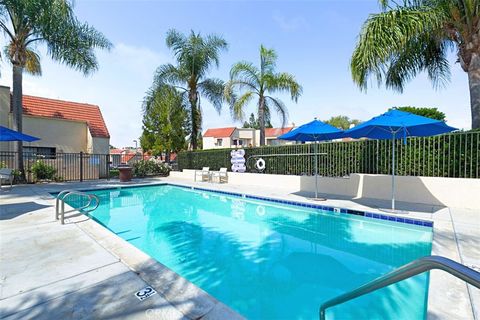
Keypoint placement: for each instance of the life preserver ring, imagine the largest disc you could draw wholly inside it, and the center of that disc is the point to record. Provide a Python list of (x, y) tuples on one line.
[(260, 164)]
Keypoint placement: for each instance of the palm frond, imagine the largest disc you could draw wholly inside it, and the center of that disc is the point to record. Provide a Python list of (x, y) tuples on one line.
[(281, 82), (238, 106), (279, 107), (213, 90), (196, 53), (175, 41), (53, 23), (32, 63), (421, 54), (68, 40), (245, 73), (171, 75), (268, 60), (213, 45), (386, 35)]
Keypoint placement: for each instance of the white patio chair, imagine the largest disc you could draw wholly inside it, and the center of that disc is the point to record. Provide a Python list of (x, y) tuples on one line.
[(221, 176), (6, 174), (204, 174)]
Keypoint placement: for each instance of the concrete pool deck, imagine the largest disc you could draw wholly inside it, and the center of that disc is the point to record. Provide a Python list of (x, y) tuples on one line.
[(82, 270)]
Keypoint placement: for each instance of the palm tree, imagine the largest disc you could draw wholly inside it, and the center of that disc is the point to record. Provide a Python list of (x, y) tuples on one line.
[(253, 82), (415, 36), (29, 23), (194, 56)]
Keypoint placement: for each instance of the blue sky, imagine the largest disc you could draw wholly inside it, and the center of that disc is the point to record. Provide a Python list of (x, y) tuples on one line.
[(314, 41)]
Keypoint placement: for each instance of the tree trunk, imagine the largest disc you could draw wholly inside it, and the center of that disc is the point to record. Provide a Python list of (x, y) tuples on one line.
[(194, 119), (17, 111), (261, 120), (474, 86)]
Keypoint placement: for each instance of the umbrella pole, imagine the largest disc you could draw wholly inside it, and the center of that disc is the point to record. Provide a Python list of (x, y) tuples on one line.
[(393, 172), (316, 169)]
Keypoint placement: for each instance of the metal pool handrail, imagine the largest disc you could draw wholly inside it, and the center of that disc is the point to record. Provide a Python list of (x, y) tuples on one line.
[(406, 271), (59, 198), (65, 194)]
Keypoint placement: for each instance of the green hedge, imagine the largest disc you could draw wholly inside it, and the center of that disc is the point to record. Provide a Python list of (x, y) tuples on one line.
[(450, 155)]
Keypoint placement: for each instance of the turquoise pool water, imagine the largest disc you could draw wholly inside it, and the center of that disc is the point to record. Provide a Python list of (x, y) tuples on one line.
[(271, 261)]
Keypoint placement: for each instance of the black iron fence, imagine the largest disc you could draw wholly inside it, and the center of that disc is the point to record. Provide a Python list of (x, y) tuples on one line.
[(451, 155), (67, 166)]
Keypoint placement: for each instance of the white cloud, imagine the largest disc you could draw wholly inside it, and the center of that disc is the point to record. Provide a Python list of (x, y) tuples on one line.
[(31, 85), (138, 60), (289, 23)]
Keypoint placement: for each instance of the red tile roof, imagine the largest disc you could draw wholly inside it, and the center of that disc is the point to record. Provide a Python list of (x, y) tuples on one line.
[(51, 108), (275, 132), (116, 151), (219, 132)]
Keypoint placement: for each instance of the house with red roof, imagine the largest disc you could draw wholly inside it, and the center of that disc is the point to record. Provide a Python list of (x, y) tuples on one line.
[(232, 137), (272, 134), (62, 126)]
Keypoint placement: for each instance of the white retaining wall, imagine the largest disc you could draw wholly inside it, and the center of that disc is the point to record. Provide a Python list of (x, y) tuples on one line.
[(450, 192)]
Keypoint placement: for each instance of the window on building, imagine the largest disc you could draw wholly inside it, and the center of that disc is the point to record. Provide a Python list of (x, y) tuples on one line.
[(240, 142), (41, 152), (219, 142), (235, 142)]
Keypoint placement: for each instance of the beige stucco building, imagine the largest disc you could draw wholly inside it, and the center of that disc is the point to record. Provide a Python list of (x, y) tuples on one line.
[(62, 126)]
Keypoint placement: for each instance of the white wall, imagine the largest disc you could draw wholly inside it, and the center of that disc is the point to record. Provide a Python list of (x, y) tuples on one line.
[(100, 145), (450, 192), (209, 143)]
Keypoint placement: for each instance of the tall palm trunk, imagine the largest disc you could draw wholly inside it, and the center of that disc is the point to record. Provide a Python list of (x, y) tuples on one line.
[(474, 86), (17, 115), (193, 118), (261, 119)]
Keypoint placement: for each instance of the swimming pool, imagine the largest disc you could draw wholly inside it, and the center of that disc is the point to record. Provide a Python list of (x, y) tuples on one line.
[(268, 260)]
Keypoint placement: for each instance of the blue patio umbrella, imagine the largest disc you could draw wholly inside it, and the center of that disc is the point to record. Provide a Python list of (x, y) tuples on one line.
[(396, 124), (314, 131), (12, 135)]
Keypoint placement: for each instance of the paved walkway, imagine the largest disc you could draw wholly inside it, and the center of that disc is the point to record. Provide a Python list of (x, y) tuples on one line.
[(81, 270)]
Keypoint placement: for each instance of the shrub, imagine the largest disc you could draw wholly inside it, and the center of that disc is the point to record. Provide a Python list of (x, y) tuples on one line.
[(114, 173), (43, 171), (151, 167)]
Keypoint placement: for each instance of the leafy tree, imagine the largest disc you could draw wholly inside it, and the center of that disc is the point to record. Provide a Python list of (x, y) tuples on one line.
[(432, 113), (408, 38), (164, 121), (195, 55), (253, 123), (342, 122), (28, 23), (249, 81)]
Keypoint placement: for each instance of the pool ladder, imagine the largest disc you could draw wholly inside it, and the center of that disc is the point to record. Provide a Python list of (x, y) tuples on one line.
[(404, 272), (62, 196)]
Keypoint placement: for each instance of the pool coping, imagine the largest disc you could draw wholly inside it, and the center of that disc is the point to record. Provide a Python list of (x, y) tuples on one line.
[(438, 305)]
